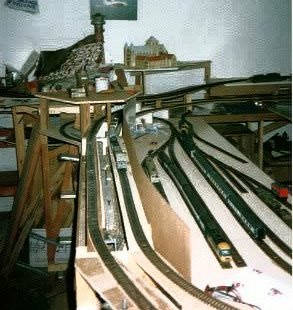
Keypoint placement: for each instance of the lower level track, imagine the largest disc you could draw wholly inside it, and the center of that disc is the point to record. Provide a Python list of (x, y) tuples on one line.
[(197, 296), (93, 226), (154, 258), (253, 186)]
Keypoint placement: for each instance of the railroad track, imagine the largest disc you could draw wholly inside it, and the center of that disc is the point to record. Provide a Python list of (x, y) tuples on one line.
[(281, 262), (135, 295), (198, 209), (153, 257)]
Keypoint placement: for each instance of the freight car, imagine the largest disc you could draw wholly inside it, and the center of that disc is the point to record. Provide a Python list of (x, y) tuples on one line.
[(236, 204), (151, 170), (113, 127), (199, 211), (119, 155)]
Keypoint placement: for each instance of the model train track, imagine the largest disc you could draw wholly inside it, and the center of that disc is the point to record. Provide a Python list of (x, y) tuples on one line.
[(153, 256), (152, 173), (211, 229), (262, 244), (274, 203), (270, 235), (265, 100), (93, 226), (180, 92), (259, 230), (278, 205), (129, 287), (209, 143), (138, 298)]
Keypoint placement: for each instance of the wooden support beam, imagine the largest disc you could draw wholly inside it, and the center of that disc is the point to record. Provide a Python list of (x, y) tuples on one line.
[(33, 212), (260, 144), (24, 188), (274, 126), (188, 100), (81, 235), (44, 120), (19, 139), (85, 117), (98, 111), (158, 104), (65, 206), (109, 113)]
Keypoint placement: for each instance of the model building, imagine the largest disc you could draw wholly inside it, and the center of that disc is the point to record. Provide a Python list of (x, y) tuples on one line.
[(152, 54)]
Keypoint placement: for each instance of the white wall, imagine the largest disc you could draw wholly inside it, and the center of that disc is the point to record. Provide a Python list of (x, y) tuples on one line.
[(241, 37)]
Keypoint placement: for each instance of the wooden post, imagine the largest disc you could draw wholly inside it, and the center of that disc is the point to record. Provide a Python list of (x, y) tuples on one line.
[(19, 210), (19, 138), (207, 71), (65, 206), (260, 144), (158, 104), (85, 117), (108, 111), (98, 111), (44, 120)]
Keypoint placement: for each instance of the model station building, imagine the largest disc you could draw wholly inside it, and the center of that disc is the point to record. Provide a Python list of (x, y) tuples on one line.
[(151, 55)]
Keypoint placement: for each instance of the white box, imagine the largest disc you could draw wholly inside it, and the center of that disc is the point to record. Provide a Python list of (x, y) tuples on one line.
[(38, 248)]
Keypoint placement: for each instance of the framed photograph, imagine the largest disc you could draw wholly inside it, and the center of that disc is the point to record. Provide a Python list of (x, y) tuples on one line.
[(115, 9), (31, 6)]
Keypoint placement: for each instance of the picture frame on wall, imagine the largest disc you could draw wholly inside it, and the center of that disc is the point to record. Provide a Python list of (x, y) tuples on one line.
[(114, 9), (30, 6)]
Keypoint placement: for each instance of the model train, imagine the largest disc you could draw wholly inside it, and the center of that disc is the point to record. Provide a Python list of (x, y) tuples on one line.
[(113, 128), (207, 223), (151, 170), (119, 155), (236, 204)]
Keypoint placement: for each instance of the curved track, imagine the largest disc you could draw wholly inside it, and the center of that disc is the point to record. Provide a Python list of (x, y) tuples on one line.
[(93, 227)]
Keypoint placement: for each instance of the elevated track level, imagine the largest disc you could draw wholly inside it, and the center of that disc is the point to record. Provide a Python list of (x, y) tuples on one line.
[(181, 93)]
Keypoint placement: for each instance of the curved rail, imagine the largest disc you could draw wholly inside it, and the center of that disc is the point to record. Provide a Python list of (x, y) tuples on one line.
[(180, 92), (93, 226)]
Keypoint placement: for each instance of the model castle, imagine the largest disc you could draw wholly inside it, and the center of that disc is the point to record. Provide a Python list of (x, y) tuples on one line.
[(151, 55)]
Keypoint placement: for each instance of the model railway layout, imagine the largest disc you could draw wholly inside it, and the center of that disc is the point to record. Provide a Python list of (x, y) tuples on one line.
[(229, 189)]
